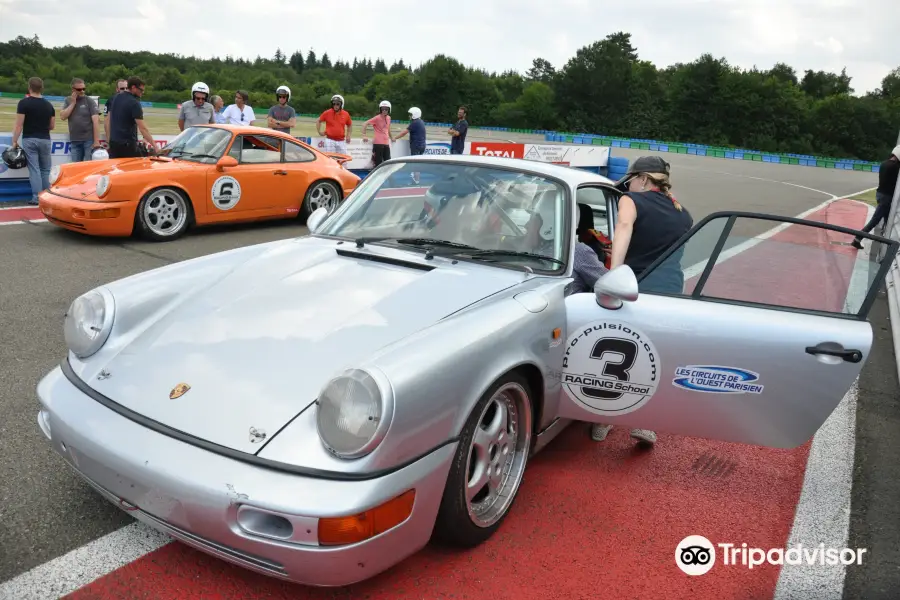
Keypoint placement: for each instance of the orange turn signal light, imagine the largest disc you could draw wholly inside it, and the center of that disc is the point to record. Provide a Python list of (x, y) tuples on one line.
[(105, 213), (557, 333), (339, 531)]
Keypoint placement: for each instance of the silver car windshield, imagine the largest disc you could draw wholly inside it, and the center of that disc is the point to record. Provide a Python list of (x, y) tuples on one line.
[(198, 144), (490, 214)]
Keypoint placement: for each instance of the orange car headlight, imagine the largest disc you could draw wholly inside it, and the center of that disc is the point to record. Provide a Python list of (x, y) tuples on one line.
[(102, 186)]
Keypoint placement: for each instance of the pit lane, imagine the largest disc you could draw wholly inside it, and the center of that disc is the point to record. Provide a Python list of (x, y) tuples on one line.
[(46, 511)]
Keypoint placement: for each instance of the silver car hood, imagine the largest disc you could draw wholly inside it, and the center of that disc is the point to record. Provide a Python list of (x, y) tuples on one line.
[(257, 345)]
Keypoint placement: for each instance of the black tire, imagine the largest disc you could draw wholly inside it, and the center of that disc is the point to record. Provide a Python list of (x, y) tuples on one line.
[(454, 525), (179, 211), (314, 192)]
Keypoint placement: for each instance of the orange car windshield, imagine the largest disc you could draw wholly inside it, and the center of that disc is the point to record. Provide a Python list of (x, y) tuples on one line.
[(198, 144)]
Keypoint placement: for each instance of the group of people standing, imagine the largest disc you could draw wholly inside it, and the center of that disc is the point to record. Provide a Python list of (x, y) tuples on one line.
[(338, 126)]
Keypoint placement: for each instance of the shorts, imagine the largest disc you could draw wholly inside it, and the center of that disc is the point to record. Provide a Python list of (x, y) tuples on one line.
[(380, 153), (339, 146)]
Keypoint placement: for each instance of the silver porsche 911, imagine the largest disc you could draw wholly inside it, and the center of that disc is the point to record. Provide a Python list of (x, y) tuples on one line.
[(317, 409)]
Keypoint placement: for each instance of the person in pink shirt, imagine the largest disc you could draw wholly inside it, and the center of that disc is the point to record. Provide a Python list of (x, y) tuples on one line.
[(381, 124)]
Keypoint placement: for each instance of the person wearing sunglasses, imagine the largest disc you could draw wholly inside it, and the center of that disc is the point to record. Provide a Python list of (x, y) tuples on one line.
[(126, 117), (649, 221), (83, 117), (240, 112), (198, 111)]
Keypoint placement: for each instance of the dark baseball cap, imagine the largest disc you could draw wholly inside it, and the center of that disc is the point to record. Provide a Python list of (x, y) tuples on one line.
[(645, 164)]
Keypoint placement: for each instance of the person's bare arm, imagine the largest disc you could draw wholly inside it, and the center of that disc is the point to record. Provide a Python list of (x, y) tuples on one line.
[(53, 122), (394, 138), (65, 113), (17, 129), (292, 122), (145, 132), (96, 120), (623, 231), (319, 127), (106, 121)]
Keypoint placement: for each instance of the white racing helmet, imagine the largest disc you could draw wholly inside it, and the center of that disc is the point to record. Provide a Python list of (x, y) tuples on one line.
[(283, 89), (100, 154), (415, 112), (896, 151), (200, 87), (339, 98), (385, 104)]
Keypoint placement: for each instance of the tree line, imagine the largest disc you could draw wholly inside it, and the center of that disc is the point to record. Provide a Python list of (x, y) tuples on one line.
[(604, 89)]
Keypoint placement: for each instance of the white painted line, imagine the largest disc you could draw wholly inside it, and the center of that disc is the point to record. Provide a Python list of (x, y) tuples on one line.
[(823, 513), (67, 573), (859, 279)]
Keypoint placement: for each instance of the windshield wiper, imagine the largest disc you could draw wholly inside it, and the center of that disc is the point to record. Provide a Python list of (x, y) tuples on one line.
[(412, 241), (481, 253), (201, 156)]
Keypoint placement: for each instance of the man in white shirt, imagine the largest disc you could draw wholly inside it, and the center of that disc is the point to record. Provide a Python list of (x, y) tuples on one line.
[(240, 112)]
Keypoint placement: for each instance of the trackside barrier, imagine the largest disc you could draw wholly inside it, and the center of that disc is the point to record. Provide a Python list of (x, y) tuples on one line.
[(618, 142)]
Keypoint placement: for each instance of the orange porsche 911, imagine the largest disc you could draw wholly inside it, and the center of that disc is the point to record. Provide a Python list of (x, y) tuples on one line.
[(208, 174)]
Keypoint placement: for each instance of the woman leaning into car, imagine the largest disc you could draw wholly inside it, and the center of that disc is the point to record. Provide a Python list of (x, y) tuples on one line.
[(649, 221)]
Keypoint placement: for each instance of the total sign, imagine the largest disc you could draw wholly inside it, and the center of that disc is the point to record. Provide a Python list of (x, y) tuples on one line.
[(498, 149)]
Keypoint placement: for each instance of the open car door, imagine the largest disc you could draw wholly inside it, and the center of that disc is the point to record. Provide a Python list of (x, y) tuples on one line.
[(750, 329)]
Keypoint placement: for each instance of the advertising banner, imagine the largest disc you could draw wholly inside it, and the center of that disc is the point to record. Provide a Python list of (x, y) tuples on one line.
[(575, 156)]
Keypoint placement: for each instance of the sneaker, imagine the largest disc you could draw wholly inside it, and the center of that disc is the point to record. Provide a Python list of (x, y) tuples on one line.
[(644, 435), (599, 432), (857, 244)]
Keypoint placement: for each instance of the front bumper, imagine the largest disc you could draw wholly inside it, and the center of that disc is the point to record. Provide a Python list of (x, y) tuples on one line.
[(115, 219), (195, 495)]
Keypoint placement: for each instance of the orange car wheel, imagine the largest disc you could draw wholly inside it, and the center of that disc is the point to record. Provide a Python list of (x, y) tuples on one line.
[(164, 214), (321, 193)]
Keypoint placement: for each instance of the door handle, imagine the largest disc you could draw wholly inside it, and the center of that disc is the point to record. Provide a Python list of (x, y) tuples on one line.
[(281, 172), (853, 356)]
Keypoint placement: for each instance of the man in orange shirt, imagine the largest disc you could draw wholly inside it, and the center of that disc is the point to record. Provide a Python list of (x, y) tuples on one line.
[(338, 125)]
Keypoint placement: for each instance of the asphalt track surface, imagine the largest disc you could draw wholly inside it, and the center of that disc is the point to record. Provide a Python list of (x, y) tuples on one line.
[(591, 519)]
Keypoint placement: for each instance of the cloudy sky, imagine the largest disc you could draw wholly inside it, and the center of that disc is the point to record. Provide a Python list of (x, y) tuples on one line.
[(862, 35)]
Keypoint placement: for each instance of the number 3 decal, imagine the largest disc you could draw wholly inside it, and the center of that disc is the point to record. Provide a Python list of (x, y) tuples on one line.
[(625, 350), (610, 368)]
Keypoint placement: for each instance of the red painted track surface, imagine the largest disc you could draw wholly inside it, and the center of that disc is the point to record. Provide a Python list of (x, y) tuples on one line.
[(26, 213), (592, 519)]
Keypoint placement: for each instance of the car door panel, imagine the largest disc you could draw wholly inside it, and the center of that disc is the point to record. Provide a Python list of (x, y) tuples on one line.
[(672, 364), (747, 351), (254, 187), (297, 166)]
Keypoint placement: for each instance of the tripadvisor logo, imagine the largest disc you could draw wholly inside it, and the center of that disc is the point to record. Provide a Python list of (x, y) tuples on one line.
[(696, 555)]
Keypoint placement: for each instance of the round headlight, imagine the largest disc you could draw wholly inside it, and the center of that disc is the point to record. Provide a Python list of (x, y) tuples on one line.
[(353, 414), (55, 172), (88, 322), (102, 186)]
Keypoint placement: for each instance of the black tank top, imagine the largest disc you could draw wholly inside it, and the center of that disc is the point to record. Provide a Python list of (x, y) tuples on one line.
[(658, 225)]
